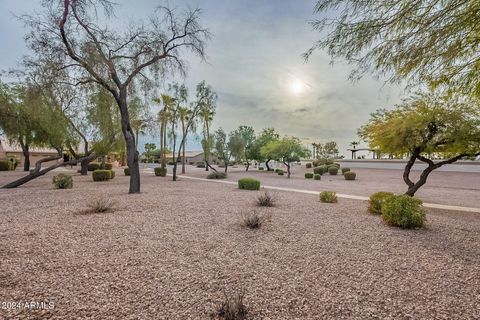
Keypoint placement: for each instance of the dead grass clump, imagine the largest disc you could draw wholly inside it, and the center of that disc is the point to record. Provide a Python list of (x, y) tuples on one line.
[(233, 307), (265, 200), (100, 205), (253, 219)]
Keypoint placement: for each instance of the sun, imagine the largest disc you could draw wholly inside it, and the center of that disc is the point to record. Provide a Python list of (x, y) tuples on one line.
[(296, 86)]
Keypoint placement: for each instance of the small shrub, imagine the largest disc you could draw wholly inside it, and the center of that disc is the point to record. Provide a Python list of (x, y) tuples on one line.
[(112, 174), (217, 175), (200, 165), (376, 201), (248, 184), (62, 181), (252, 220), (350, 175), (170, 163), (93, 166), (281, 172), (276, 170), (333, 171), (308, 165), (261, 168), (328, 196), (345, 170), (100, 205), (319, 170), (403, 211), (265, 200), (328, 161), (126, 171), (233, 308), (317, 176), (107, 166), (101, 175), (336, 164), (308, 175), (160, 172), (5, 165)]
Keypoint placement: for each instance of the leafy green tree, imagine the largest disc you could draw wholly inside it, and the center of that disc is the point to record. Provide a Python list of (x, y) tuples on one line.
[(330, 149), (227, 147), (425, 41), (424, 126), (75, 35), (265, 137), (149, 151), (286, 150), (249, 152)]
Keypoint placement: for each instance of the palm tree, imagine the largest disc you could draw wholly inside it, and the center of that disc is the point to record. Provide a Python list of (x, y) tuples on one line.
[(206, 117)]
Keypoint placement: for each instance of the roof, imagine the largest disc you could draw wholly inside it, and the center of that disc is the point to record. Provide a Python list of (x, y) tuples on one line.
[(5, 146), (188, 154)]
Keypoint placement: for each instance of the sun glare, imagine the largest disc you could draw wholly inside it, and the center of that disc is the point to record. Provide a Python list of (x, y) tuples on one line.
[(297, 87)]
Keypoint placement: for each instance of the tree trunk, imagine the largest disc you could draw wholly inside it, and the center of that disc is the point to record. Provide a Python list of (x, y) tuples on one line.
[(84, 167), (288, 169), (37, 172), (226, 166), (266, 164), (132, 153), (183, 158), (248, 166), (26, 155)]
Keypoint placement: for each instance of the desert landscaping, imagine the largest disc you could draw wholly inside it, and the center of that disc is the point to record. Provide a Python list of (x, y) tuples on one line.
[(173, 250)]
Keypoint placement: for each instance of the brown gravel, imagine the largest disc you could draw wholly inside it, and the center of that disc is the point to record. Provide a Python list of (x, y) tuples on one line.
[(169, 253)]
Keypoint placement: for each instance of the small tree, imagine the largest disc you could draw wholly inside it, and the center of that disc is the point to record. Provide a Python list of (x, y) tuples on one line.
[(423, 126), (222, 151), (286, 150), (266, 136), (250, 151), (330, 149), (149, 151)]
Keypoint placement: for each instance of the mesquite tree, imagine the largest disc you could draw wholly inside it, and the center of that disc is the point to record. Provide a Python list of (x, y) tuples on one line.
[(74, 34), (286, 150), (426, 127)]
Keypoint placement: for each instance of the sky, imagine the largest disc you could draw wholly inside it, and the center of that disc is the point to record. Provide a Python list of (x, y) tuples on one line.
[(255, 65)]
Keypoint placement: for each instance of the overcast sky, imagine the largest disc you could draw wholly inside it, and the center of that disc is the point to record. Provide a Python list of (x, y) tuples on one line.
[(255, 66)]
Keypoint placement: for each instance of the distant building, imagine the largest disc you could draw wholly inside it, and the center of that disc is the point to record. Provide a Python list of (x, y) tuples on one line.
[(191, 157), (12, 151)]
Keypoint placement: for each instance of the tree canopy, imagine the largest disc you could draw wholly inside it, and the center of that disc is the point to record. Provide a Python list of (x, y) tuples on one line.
[(286, 150)]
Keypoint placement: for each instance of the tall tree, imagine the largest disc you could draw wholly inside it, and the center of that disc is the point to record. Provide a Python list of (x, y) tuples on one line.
[(425, 41), (74, 34), (286, 150), (423, 126), (206, 115), (265, 137)]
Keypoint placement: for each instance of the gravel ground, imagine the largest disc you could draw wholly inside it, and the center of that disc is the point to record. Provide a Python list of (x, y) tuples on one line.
[(170, 252), (451, 188)]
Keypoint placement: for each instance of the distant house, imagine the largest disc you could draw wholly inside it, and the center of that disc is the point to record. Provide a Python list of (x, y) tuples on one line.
[(191, 157), (12, 151)]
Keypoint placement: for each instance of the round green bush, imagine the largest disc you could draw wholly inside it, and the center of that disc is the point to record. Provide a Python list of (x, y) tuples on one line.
[(376, 201), (319, 170), (6, 165), (261, 168), (345, 170), (93, 166), (317, 176), (403, 211), (336, 164), (160, 172), (101, 175), (308, 165), (280, 172), (333, 171), (107, 166), (112, 174), (308, 175), (328, 197), (126, 171), (248, 184), (328, 161), (62, 181), (350, 175), (200, 165), (217, 175)]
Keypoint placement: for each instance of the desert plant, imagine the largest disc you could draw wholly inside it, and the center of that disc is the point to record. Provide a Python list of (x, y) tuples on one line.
[(106, 166), (93, 166), (217, 175), (62, 181), (308, 165), (265, 200), (100, 205), (126, 171), (252, 219), (319, 170), (350, 175), (328, 161), (248, 184), (345, 170), (233, 307), (403, 211), (200, 165), (317, 176), (101, 175), (308, 175), (336, 164), (333, 170), (160, 172), (5, 165), (376, 201), (280, 172), (112, 174), (260, 168), (328, 196)]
